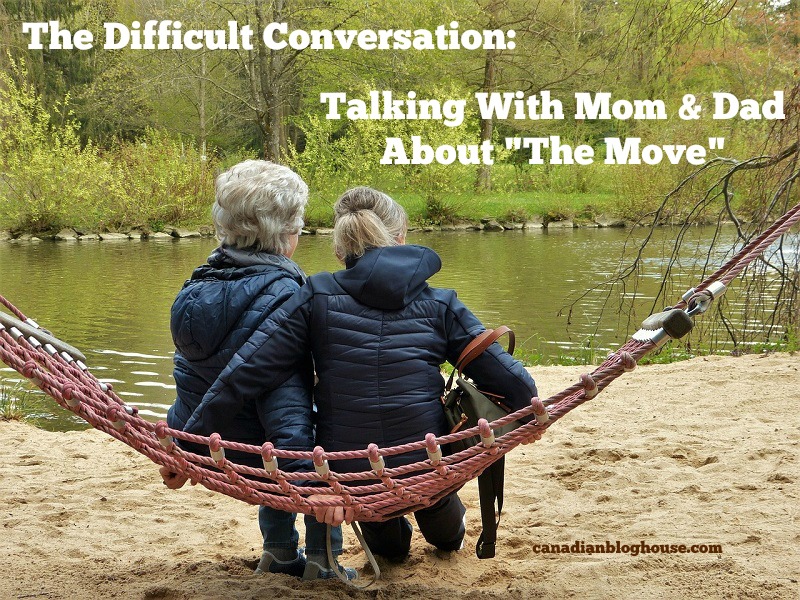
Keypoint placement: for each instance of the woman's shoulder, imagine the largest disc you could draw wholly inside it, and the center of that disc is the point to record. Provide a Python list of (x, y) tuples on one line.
[(444, 295), (252, 286), (322, 282)]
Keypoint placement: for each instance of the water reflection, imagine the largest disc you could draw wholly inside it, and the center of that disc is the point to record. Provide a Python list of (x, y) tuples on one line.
[(112, 300)]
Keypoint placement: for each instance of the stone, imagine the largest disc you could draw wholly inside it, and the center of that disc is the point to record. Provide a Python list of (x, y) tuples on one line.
[(5, 235), (137, 234), (66, 235), (159, 235), (185, 233), (493, 226), (113, 237), (28, 237), (512, 225), (565, 224), (585, 223), (323, 231), (89, 237), (609, 221), (534, 222)]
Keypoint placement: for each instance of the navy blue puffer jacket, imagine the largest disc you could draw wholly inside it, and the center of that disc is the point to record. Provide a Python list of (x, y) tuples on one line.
[(214, 314), (379, 335)]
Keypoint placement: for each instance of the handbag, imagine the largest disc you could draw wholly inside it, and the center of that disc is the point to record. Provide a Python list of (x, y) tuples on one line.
[(464, 403)]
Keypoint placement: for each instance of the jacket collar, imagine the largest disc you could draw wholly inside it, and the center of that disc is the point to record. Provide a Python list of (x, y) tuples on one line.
[(229, 256)]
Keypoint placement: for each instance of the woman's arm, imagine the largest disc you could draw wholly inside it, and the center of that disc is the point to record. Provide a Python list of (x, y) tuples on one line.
[(495, 371), (275, 351)]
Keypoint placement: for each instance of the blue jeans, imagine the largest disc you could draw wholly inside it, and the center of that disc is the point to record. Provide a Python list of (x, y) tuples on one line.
[(278, 530)]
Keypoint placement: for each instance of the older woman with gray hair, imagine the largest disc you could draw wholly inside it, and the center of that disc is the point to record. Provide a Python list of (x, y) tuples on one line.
[(258, 215)]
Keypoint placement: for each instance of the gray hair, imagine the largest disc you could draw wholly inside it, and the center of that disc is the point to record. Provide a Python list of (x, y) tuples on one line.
[(259, 204), (366, 218)]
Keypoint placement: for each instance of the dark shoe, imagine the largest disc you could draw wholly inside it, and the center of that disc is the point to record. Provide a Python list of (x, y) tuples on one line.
[(270, 564), (314, 570)]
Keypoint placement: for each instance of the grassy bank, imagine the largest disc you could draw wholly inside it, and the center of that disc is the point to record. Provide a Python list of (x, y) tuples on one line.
[(514, 207), (13, 401)]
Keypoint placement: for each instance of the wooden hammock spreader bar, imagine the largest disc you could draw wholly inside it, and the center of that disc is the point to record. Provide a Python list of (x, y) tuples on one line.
[(376, 493), (32, 331)]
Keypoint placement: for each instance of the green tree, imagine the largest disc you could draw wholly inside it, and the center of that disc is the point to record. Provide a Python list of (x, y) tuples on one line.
[(553, 51)]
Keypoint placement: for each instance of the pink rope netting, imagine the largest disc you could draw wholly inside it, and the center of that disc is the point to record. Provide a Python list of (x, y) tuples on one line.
[(374, 494)]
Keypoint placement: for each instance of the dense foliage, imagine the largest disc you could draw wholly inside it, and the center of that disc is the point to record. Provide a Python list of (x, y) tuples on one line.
[(105, 139)]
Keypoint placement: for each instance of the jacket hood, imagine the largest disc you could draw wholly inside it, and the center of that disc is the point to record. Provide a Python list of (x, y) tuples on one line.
[(389, 278), (216, 299)]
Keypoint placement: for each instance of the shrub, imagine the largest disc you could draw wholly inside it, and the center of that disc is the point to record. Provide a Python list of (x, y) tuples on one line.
[(47, 179), (162, 180)]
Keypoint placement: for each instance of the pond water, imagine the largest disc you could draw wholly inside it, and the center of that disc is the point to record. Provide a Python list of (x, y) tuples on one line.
[(112, 299)]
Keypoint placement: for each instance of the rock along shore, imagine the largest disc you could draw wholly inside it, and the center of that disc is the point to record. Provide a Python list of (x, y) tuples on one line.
[(174, 233)]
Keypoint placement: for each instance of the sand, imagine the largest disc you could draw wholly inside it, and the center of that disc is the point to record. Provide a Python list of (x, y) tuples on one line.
[(703, 452)]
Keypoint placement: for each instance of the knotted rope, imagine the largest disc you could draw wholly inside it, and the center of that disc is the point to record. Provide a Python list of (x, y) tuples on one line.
[(376, 493)]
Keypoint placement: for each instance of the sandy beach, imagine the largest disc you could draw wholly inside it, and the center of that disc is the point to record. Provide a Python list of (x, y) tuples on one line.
[(703, 453)]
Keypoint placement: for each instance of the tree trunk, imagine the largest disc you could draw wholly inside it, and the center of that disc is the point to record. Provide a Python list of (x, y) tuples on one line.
[(484, 181), (272, 88), (274, 122), (201, 105)]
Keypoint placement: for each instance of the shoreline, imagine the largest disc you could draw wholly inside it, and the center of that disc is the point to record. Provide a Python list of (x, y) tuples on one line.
[(69, 234), (702, 452)]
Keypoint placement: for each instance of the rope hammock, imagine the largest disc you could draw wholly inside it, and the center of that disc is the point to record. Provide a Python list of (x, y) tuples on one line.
[(376, 493)]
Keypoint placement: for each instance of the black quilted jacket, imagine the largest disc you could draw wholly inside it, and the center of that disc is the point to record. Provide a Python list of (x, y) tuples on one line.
[(379, 335)]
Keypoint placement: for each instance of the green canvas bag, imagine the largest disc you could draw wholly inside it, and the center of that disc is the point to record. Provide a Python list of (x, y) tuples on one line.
[(463, 405)]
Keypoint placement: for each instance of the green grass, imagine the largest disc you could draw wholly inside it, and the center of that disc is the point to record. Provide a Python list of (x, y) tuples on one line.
[(670, 354), (13, 402), (470, 207), (676, 352), (530, 204), (790, 342)]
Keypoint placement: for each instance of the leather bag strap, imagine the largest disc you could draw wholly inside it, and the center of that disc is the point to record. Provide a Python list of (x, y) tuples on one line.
[(478, 346), (490, 493), (481, 343)]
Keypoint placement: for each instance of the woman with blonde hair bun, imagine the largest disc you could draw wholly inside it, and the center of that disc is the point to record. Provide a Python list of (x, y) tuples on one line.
[(378, 334), (366, 218)]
